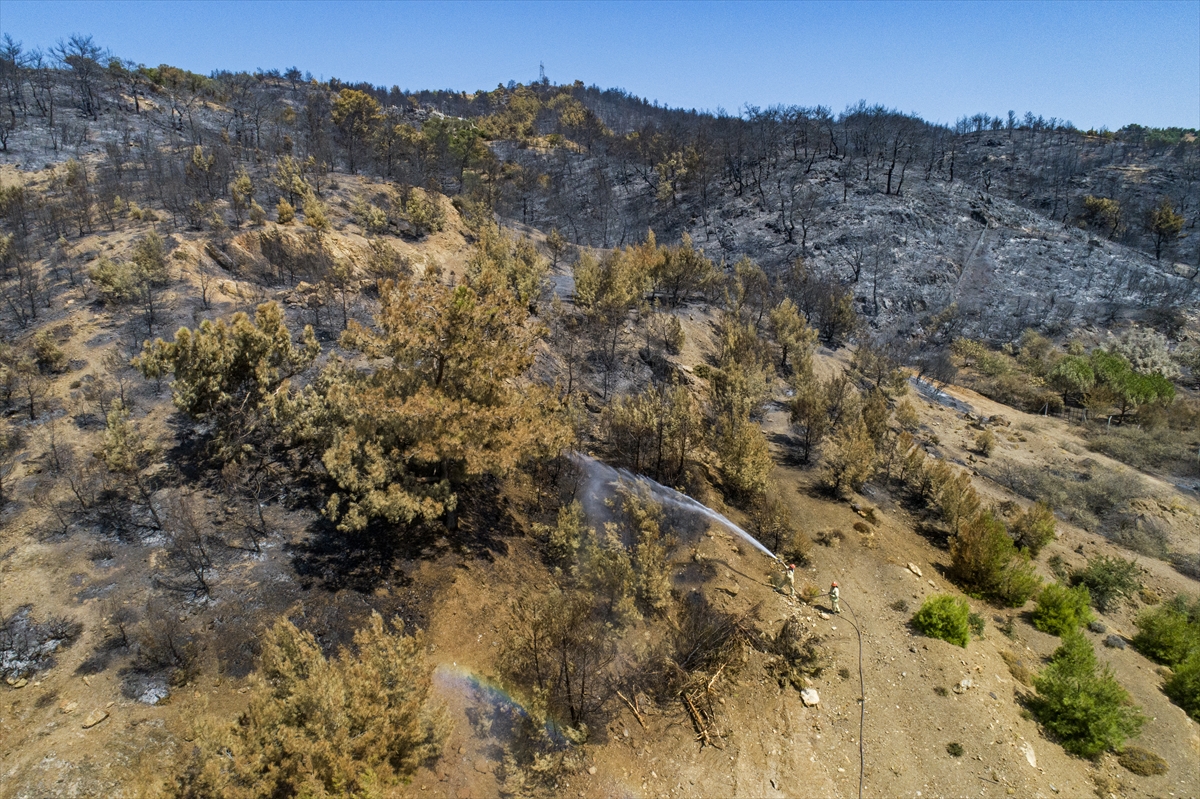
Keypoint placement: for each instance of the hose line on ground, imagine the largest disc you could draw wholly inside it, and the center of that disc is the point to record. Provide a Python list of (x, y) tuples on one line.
[(862, 695), (862, 702)]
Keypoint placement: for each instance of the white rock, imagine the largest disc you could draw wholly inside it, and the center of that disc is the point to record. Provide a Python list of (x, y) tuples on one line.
[(1029, 755), (809, 697), (912, 567)]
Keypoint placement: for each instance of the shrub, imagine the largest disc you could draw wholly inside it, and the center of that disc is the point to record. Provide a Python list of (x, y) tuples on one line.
[(606, 573), (424, 213), (849, 458), (745, 459), (994, 364), (1141, 761), (1034, 528), (258, 216), (830, 538), (47, 353), (315, 216), (284, 212), (771, 520), (1017, 668), (651, 574), (116, 280), (1082, 704), (797, 549), (556, 652), (985, 443), (370, 218), (1110, 580), (1061, 610), (797, 656), (1183, 686), (351, 725), (954, 749), (985, 561), (561, 542), (1170, 632), (1147, 351), (906, 415), (1059, 568), (233, 374), (945, 617)]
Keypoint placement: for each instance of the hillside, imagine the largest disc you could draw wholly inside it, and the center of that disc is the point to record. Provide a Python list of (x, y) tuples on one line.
[(437, 367)]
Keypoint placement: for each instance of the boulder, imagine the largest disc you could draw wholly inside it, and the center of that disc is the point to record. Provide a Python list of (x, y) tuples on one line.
[(809, 697), (912, 567)]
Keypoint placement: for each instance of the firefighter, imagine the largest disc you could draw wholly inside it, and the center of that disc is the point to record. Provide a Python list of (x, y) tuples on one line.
[(791, 578), (833, 597)]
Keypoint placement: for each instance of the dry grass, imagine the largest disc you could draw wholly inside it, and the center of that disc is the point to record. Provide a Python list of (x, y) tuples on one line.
[(1141, 761), (1017, 668)]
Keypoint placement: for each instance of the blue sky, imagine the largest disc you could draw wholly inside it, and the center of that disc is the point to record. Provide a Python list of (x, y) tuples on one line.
[(1095, 63)]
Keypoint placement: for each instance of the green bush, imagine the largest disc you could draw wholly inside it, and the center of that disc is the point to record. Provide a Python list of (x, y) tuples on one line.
[(1183, 687), (945, 617), (47, 353), (1061, 610), (1082, 704), (1170, 632), (1034, 528), (986, 562), (1110, 580)]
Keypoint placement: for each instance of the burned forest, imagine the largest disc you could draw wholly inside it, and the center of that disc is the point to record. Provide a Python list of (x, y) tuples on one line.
[(543, 441)]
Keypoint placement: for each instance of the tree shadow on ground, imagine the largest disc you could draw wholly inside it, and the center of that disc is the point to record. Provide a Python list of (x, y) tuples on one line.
[(935, 535), (105, 652), (790, 451), (485, 521), (375, 557), (361, 561)]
